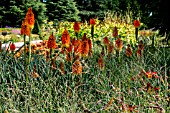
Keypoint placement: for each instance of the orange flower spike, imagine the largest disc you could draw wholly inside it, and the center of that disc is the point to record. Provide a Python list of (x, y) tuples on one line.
[(69, 49), (78, 47), (73, 41), (139, 53), (34, 73), (128, 51), (119, 44), (131, 108), (25, 29), (51, 44), (136, 23), (62, 70), (30, 18), (92, 22), (76, 27), (101, 62), (115, 32), (141, 46), (12, 47), (140, 49), (149, 87), (65, 38), (84, 38), (68, 57), (47, 56), (90, 48), (53, 64), (106, 41), (17, 55), (85, 48), (110, 48), (156, 88), (151, 75), (77, 68)]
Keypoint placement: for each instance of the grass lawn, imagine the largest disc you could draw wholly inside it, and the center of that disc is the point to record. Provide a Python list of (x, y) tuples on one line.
[(125, 84)]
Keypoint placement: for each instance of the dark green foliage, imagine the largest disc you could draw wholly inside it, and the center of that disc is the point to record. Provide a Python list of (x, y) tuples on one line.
[(13, 12), (62, 10), (94, 8), (154, 14)]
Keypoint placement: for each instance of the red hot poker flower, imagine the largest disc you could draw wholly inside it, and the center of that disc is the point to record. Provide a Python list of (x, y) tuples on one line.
[(128, 51), (77, 68), (62, 70), (119, 44), (106, 41), (136, 23), (151, 75), (92, 22), (84, 38), (101, 62), (78, 47), (76, 27), (115, 32), (30, 18), (65, 38), (110, 48), (51, 42), (12, 47), (69, 49), (85, 48), (25, 29), (141, 46)]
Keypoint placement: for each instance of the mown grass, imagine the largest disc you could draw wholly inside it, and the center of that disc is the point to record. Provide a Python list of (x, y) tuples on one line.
[(119, 84)]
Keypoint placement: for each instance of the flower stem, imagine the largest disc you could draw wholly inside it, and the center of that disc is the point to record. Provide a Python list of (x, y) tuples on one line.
[(25, 60), (92, 31), (136, 34), (76, 34), (29, 51)]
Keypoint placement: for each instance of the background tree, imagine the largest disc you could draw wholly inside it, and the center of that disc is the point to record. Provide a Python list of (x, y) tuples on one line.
[(62, 10), (94, 8), (13, 11)]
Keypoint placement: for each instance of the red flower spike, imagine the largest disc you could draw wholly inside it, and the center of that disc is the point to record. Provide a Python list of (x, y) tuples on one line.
[(101, 61), (151, 75), (12, 47), (76, 27), (69, 49), (136, 23), (84, 38), (65, 38), (30, 18), (106, 41), (128, 51), (110, 48), (92, 22), (51, 42), (85, 49), (77, 68), (25, 29), (78, 47), (115, 32), (119, 44)]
